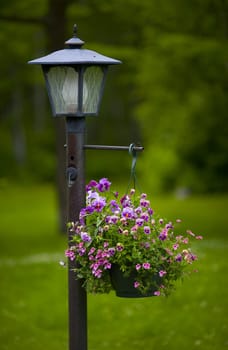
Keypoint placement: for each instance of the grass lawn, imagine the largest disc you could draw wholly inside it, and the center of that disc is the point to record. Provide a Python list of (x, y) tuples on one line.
[(33, 293)]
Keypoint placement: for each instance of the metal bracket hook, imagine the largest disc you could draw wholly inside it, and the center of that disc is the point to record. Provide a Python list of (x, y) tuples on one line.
[(71, 174)]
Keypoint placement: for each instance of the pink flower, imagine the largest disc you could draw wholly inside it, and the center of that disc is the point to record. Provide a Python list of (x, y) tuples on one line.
[(97, 273), (162, 273), (157, 293), (190, 233), (146, 266), (136, 284), (175, 246), (70, 254), (108, 265), (134, 229), (138, 266), (199, 237), (105, 244), (91, 251)]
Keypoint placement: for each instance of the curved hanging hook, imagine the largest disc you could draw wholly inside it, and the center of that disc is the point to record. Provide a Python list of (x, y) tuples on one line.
[(133, 153)]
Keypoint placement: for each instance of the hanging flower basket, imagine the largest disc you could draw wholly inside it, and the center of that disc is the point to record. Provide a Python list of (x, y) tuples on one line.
[(121, 234)]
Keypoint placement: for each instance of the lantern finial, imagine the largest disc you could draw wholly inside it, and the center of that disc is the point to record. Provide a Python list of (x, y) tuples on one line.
[(75, 29), (74, 42)]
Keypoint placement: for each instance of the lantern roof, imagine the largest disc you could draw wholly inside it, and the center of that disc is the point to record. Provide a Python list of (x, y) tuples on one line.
[(74, 54)]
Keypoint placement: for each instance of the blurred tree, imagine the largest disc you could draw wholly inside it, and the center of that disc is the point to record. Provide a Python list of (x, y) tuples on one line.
[(182, 85)]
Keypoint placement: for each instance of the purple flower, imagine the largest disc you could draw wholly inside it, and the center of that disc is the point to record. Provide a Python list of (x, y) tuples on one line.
[(125, 200), (138, 210), (103, 185), (193, 257), (85, 237), (114, 206), (178, 257), (119, 247), (143, 195), (81, 251), (147, 245), (82, 213), (147, 230), (92, 195), (169, 225), (139, 222), (91, 184), (99, 204), (144, 203), (113, 219), (89, 210), (107, 219), (150, 211), (163, 235), (128, 213), (145, 217)]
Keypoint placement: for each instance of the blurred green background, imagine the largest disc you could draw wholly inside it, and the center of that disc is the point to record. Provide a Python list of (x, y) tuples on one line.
[(170, 95)]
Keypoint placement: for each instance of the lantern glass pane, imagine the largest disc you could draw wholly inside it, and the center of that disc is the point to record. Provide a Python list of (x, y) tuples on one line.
[(92, 84), (63, 82)]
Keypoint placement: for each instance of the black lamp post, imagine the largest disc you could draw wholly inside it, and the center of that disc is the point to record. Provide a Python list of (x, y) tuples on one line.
[(75, 80)]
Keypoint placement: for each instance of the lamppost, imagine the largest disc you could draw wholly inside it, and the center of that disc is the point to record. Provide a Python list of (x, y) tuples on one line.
[(75, 80)]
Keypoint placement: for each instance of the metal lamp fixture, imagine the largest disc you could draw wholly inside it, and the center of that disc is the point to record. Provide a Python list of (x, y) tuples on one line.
[(75, 78)]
